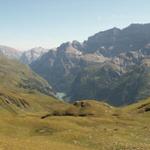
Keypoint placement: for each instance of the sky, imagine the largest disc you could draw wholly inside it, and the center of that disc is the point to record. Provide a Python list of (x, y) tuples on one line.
[(25, 24)]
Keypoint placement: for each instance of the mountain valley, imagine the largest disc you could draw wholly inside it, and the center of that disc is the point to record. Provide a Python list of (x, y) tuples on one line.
[(111, 68)]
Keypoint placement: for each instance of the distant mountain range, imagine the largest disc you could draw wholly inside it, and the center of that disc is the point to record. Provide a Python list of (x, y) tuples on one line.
[(10, 52), (112, 65), (25, 57), (31, 55)]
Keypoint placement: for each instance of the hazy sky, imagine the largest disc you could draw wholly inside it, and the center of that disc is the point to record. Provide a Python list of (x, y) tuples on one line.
[(48, 23)]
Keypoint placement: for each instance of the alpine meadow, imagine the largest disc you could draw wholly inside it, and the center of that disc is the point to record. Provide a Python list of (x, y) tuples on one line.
[(74, 75)]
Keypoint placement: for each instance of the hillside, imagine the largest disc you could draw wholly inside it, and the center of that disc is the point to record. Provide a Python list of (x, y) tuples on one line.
[(125, 128), (22, 90)]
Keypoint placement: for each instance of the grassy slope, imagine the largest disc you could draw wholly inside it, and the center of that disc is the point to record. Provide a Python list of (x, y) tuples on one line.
[(23, 91), (16, 75), (122, 129)]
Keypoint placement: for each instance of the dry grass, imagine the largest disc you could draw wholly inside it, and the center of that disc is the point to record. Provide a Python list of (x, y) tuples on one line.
[(110, 132)]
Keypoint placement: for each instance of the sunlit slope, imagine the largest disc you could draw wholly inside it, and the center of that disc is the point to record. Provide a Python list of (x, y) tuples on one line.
[(14, 74), (120, 130), (21, 90), (141, 108)]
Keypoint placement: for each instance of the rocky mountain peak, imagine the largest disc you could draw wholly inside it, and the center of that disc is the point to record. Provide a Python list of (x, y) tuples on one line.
[(69, 48)]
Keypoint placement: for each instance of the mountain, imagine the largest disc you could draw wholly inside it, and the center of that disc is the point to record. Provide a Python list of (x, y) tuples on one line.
[(10, 52), (96, 68), (60, 67), (113, 42), (26, 57), (31, 55), (106, 83)]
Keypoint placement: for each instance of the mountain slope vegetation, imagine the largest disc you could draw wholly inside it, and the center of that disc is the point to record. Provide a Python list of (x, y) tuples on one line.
[(22, 90), (125, 128)]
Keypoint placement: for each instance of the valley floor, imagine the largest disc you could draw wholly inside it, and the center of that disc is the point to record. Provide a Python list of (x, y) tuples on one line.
[(116, 132)]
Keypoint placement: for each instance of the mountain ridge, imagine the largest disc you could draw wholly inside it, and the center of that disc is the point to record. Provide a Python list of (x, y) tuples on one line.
[(117, 51), (122, 49)]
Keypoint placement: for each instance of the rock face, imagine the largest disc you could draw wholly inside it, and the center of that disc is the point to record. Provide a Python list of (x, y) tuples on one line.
[(113, 42), (64, 64), (106, 66)]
